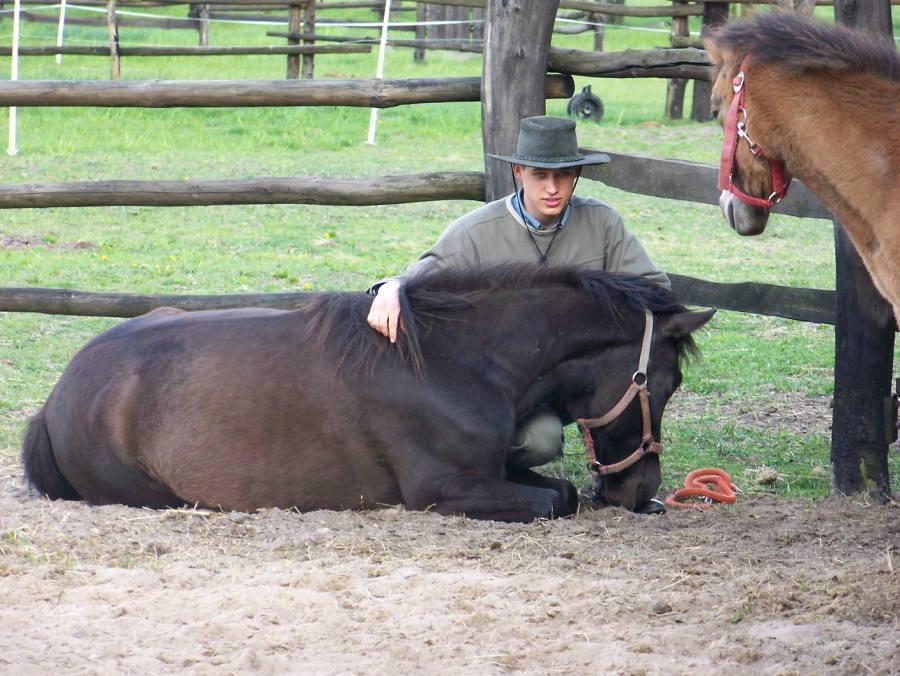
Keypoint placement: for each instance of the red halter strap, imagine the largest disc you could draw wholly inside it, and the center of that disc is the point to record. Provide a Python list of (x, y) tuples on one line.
[(637, 388), (735, 130)]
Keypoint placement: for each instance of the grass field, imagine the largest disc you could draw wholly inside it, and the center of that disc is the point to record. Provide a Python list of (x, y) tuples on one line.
[(758, 397)]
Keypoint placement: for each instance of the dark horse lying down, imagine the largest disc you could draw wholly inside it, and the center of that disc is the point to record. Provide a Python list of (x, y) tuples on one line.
[(253, 408)]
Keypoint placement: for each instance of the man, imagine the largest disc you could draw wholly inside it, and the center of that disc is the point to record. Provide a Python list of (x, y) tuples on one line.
[(542, 222)]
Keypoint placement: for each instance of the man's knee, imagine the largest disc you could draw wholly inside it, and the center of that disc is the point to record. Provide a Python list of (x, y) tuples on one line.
[(538, 441)]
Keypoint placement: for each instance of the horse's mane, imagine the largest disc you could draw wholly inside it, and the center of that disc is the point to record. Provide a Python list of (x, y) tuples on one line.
[(337, 321), (799, 44)]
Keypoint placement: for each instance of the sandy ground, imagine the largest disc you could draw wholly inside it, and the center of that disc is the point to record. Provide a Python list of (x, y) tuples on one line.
[(769, 586)]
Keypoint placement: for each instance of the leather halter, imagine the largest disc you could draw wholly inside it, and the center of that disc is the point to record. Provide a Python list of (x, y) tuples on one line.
[(637, 388), (735, 130)]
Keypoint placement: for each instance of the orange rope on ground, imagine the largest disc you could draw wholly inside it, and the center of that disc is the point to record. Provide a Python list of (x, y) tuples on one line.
[(710, 484)]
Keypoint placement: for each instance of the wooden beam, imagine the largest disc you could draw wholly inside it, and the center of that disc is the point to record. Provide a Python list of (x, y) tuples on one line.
[(464, 185), (96, 50), (805, 305), (457, 46), (810, 305), (243, 93), (597, 8), (683, 63)]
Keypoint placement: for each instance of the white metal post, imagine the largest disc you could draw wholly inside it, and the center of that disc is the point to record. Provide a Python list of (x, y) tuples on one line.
[(379, 71)]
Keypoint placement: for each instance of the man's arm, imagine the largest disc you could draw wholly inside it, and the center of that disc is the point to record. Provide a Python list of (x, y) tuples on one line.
[(454, 247)]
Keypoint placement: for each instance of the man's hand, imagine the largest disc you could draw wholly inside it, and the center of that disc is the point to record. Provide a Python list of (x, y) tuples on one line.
[(384, 315)]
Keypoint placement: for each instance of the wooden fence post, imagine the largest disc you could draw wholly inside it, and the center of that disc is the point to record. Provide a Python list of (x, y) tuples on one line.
[(516, 45), (421, 32), (675, 90), (293, 60), (714, 14), (203, 19), (116, 69), (599, 27), (309, 27), (864, 340)]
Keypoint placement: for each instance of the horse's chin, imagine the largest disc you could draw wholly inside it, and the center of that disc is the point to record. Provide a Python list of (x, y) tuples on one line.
[(635, 487), (745, 219)]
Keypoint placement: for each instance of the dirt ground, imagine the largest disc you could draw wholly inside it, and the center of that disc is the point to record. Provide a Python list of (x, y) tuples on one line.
[(769, 586)]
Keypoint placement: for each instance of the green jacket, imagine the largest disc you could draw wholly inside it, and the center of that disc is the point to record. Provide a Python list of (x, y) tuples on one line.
[(594, 236)]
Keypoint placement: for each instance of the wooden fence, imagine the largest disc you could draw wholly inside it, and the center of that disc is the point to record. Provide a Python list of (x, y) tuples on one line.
[(671, 179)]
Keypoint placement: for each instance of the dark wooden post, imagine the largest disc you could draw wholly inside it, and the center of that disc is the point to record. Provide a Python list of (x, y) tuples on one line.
[(599, 27), (714, 14), (421, 32), (864, 340), (677, 86), (293, 60), (309, 27), (516, 44)]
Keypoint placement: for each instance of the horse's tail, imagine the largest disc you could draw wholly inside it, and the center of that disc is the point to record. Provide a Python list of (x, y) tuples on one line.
[(41, 469)]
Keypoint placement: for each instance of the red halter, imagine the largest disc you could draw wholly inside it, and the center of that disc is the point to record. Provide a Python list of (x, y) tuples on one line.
[(735, 130)]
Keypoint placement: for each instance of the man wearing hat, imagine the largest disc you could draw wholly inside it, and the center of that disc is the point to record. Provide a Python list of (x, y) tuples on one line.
[(542, 222)]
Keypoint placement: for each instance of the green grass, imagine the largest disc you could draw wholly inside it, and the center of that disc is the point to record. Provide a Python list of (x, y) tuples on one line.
[(749, 362)]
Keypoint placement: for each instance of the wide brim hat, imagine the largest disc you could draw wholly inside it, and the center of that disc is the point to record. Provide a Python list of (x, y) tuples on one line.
[(549, 142)]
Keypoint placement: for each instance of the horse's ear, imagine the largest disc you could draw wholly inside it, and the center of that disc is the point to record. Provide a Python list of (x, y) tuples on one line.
[(684, 323)]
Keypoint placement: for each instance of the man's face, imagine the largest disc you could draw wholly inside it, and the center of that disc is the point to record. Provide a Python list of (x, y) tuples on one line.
[(547, 191)]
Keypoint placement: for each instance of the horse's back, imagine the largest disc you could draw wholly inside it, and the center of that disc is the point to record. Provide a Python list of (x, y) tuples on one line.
[(220, 408)]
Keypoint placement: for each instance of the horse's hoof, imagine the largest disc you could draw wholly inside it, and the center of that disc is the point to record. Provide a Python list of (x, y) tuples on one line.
[(654, 506), (590, 496)]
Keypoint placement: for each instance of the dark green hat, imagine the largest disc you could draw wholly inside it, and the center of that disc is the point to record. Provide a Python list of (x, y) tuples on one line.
[(549, 143)]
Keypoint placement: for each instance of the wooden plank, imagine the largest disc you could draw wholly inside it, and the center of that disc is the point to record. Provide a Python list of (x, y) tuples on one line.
[(810, 305), (456, 46), (98, 304), (96, 50), (687, 181), (805, 305), (127, 22), (606, 8), (463, 185), (373, 93), (684, 63)]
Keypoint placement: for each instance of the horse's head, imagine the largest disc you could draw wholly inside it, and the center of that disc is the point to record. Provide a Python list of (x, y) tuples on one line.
[(618, 400), (750, 183)]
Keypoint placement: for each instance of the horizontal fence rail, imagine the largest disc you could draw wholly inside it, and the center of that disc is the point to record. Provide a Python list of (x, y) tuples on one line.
[(673, 179), (808, 305), (373, 93), (292, 190), (97, 50), (687, 63)]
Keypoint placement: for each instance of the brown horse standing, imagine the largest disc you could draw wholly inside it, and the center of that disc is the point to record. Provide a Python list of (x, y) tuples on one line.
[(822, 103), (310, 409)]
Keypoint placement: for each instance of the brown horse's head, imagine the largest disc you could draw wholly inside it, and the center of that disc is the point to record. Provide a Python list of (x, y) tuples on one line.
[(751, 182), (619, 406)]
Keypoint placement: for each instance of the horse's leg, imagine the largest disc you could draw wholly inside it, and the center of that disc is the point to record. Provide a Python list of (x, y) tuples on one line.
[(527, 477), (481, 497)]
